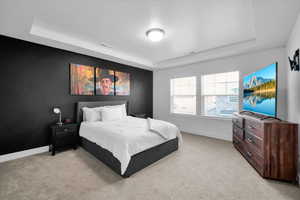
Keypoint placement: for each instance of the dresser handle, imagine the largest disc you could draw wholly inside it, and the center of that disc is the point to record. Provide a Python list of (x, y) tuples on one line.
[(66, 130), (249, 139), (249, 154)]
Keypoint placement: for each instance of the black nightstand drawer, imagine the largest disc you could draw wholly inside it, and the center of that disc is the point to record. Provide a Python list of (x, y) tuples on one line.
[(66, 129), (65, 141), (64, 136)]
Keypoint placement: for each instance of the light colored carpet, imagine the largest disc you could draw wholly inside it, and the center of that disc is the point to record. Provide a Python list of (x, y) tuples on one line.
[(203, 169)]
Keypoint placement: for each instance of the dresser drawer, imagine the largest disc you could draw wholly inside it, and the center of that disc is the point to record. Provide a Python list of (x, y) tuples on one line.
[(238, 143), (238, 132), (238, 121), (254, 159), (254, 143), (254, 127)]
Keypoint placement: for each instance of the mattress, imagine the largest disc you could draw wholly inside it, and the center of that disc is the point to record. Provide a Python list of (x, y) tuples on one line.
[(124, 138)]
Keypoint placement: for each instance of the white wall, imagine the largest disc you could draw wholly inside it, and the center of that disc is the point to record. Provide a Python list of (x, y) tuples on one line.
[(212, 127), (293, 93)]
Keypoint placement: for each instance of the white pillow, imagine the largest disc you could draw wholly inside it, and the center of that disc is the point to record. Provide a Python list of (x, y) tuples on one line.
[(112, 113), (91, 114), (123, 107)]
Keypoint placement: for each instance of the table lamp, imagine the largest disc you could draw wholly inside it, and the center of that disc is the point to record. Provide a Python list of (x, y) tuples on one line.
[(57, 111)]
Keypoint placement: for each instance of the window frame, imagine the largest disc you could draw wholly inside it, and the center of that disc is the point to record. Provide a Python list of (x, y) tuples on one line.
[(202, 96), (199, 110), (195, 95)]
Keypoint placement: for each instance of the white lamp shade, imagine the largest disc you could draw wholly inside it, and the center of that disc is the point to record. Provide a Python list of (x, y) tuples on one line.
[(56, 110)]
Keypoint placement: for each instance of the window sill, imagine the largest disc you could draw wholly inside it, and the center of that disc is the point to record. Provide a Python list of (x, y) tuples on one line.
[(179, 115)]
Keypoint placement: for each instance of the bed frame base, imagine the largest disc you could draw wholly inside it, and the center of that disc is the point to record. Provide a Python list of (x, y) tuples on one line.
[(137, 161)]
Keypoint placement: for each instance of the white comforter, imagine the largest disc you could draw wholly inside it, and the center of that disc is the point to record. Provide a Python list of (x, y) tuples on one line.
[(125, 137)]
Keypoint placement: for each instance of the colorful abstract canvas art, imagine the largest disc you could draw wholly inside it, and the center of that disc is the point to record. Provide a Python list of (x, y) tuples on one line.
[(122, 83), (82, 79), (105, 82)]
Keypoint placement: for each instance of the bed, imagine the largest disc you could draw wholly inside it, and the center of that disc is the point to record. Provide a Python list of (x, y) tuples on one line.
[(155, 150)]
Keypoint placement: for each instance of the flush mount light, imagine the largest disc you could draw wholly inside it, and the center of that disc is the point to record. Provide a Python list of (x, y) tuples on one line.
[(155, 34)]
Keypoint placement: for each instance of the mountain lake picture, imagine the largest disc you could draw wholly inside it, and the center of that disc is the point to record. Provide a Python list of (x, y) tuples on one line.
[(260, 91)]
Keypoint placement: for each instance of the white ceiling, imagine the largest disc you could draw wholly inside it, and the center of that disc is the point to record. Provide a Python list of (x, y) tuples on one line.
[(196, 30)]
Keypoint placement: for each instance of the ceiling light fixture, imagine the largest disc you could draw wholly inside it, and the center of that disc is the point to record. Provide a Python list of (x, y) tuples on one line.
[(155, 34)]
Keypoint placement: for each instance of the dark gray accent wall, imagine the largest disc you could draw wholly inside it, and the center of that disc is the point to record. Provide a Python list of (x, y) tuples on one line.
[(34, 78)]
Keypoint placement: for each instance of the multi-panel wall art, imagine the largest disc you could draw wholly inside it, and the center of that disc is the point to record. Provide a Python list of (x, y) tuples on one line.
[(82, 79), (88, 80), (122, 83), (105, 82)]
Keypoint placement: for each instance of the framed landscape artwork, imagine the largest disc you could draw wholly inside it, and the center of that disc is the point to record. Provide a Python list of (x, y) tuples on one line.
[(82, 79), (122, 83), (105, 82)]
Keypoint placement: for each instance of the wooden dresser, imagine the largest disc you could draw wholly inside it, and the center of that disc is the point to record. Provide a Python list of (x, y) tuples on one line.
[(269, 145)]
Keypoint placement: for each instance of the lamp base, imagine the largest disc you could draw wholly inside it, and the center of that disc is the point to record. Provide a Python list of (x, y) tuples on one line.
[(59, 123)]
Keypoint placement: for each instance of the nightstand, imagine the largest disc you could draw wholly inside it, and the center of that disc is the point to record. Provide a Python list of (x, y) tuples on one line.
[(142, 115), (64, 136)]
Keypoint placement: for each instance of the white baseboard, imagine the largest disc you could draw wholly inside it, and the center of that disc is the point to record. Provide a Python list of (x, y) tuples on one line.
[(21, 154), (210, 134)]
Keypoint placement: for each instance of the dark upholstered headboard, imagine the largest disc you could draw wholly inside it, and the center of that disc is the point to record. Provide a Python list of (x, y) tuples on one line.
[(93, 104)]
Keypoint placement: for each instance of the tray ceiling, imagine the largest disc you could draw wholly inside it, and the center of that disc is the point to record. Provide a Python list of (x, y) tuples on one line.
[(196, 30)]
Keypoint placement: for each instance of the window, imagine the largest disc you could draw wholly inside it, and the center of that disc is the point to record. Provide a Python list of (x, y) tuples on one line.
[(220, 94), (183, 95)]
